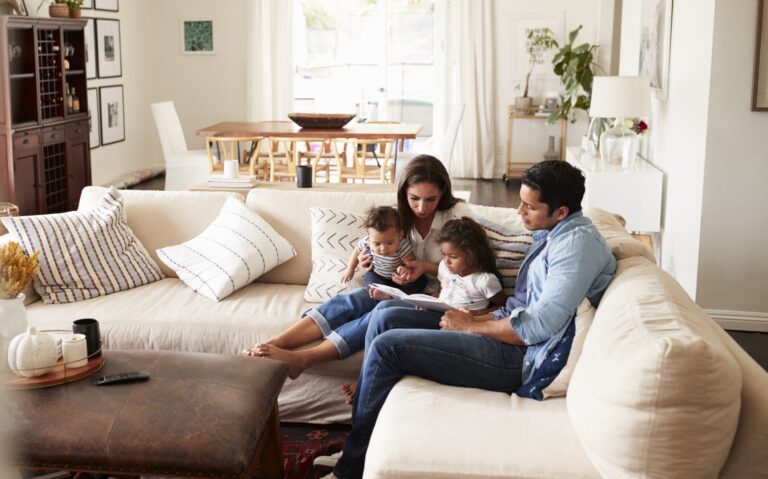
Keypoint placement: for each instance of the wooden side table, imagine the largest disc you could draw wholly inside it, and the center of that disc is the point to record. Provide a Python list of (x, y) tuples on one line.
[(514, 170)]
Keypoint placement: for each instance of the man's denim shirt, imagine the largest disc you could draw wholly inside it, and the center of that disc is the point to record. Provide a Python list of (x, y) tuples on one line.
[(563, 266)]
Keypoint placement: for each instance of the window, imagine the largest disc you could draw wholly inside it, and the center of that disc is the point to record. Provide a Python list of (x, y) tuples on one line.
[(372, 57)]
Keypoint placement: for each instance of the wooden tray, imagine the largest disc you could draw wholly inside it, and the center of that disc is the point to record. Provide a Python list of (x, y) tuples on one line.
[(61, 374)]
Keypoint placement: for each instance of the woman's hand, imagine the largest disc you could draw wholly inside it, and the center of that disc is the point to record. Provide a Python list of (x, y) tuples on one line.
[(365, 261), (410, 272)]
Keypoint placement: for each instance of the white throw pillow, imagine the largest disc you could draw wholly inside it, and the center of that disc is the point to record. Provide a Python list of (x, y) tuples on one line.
[(238, 247), (334, 235), (85, 254), (509, 245)]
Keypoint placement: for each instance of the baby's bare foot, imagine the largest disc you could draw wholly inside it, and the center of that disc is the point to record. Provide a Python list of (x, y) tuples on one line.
[(349, 390)]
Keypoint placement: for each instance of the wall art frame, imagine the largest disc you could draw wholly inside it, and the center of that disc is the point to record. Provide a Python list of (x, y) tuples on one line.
[(94, 128), (111, 114), (197, 37), (109, 59), (655, 41), (107, 5), (760, 82)]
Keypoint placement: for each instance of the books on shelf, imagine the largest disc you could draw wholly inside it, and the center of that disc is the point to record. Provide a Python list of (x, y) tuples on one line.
[(242, 181), (421, 300)]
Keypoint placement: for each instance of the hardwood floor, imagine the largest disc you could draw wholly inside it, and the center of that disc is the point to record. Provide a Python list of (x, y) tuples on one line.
[(496, 193)]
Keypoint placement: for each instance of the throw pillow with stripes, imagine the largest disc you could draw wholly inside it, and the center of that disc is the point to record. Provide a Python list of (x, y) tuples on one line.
[(334, 235), (510, 247), (234, 250), (85, 254)]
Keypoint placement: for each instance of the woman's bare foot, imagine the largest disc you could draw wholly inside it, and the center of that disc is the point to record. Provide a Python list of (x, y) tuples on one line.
[(349, 390), (296, 360)]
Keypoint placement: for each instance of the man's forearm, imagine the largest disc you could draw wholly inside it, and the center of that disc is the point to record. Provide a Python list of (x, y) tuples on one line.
[(499, 330)]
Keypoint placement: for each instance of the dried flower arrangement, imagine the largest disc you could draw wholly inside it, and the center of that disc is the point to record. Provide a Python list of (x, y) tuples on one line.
[(17, 269)]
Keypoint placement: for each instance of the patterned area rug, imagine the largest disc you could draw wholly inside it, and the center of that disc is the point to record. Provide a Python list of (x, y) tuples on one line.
[(302, 443)]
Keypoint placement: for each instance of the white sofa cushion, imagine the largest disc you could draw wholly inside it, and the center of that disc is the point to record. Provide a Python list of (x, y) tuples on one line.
[(509, 245), (655, 393), (288, 213), (85, 254), (335, 235), (430, 430), (233, 251), (164, 218)]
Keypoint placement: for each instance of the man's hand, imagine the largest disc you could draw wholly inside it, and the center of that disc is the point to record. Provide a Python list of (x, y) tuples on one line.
[(457, 320)]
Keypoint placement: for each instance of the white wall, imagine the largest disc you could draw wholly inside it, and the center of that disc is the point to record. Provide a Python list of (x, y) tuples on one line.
[(530, 137), (733, 259), (711, 148)]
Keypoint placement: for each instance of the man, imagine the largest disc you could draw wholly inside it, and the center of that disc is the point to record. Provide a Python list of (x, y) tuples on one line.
[(567, 262)]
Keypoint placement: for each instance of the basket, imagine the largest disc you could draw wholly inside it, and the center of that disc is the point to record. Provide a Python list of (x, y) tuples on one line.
[(58, 10)]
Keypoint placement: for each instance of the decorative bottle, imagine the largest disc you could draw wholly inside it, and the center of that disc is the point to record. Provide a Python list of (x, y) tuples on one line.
[(551, 153)]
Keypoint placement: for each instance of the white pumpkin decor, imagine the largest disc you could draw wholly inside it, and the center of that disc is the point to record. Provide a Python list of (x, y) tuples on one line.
[(32, 353)]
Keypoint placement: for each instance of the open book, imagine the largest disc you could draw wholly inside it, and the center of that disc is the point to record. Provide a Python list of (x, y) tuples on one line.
[(421, 300)]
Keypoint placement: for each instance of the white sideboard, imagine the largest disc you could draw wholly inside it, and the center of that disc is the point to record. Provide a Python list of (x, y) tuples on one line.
[(634, 193)]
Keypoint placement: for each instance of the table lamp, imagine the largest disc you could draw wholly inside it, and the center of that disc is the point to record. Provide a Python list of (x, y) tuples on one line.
[(620, 97)]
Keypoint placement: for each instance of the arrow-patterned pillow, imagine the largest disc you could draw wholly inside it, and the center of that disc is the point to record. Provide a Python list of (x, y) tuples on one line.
[(334, 235)]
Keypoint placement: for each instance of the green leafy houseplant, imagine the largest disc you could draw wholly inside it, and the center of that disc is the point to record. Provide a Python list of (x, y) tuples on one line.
[(574, 65)]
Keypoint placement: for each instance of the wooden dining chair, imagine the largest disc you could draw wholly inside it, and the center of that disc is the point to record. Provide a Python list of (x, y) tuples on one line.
[(372, 159), (323, 154), (282, 157), (221, 148)]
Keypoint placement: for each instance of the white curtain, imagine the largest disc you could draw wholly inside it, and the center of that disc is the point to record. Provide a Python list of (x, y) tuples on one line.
[(270, 59), (465, 45)]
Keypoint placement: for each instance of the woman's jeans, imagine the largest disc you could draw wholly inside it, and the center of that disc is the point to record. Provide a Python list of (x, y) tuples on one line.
[(343, 320), (402, 340)]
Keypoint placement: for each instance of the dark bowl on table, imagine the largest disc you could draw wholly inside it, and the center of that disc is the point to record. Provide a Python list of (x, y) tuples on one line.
[(321, 120)]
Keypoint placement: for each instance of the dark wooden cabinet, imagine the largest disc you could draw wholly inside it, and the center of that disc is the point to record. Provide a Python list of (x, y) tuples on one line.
[(44, 143)]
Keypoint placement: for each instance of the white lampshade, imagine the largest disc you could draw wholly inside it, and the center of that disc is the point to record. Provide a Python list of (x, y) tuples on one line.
[(620, 97)]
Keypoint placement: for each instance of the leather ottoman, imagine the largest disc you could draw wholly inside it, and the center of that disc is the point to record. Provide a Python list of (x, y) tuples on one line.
[(199, 415)]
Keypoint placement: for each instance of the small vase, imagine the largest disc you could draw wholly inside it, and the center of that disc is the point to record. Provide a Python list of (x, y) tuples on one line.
[(13, 321), (74, 13), (596, 128), (523, 104)]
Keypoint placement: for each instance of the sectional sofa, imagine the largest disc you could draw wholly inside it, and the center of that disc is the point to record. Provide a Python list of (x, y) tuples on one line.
[(659, 391)]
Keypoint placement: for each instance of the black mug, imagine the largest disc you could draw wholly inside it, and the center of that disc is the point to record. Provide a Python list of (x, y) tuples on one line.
[(304, 176), (90, 328)]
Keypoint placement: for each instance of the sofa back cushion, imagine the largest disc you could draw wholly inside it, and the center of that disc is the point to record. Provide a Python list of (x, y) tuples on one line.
[(164, 218), (288, 213), (655, 393)]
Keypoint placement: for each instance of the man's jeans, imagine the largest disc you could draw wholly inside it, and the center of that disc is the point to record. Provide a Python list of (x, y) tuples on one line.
[(343, 320), (403, 340)]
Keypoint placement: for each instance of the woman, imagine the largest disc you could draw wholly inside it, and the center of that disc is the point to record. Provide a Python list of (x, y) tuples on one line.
[(424, 201)]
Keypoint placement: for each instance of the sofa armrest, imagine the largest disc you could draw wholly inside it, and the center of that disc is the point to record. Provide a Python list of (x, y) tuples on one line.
[(622, 244)]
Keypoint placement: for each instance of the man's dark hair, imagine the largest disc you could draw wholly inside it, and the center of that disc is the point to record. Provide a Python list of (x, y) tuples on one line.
[(558, 183), (382, 218)]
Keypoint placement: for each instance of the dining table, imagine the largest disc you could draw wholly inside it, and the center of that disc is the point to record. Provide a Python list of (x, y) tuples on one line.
[(286, 129)]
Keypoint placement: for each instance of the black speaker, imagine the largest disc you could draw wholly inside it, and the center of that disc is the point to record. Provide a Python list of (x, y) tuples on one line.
[(304, 176)]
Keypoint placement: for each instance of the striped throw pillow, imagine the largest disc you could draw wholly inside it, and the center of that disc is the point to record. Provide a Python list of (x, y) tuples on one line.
[(85, 254), (234, 250), (510, 247)]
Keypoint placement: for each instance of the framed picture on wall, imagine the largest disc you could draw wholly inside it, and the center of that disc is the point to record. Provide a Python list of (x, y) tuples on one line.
[(93, 120), (655, 39), (542, 62), (87, 4), (760, 83), (90, 49), (111, 114), (197, 37), (108, 5), (108, 57)]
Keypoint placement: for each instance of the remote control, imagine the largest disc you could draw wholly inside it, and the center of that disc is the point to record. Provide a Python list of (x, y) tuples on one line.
[(120, 378)]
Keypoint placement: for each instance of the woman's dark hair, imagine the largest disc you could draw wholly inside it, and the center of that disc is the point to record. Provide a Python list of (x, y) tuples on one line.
[(469, 236), (558, 183), (423, 169), (382, 218)]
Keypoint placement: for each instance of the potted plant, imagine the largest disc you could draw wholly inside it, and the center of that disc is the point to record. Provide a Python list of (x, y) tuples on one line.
[(74, 8), (539, 41), (56, 9), (574, 65)]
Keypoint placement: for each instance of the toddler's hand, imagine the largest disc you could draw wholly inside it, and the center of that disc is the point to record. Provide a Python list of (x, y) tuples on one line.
[(347, 276)]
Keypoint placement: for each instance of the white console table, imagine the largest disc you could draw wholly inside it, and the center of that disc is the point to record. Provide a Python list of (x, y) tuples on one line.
[(634, 193)]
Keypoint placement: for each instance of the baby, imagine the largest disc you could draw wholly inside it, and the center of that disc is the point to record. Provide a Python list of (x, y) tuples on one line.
[(389, 249)]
